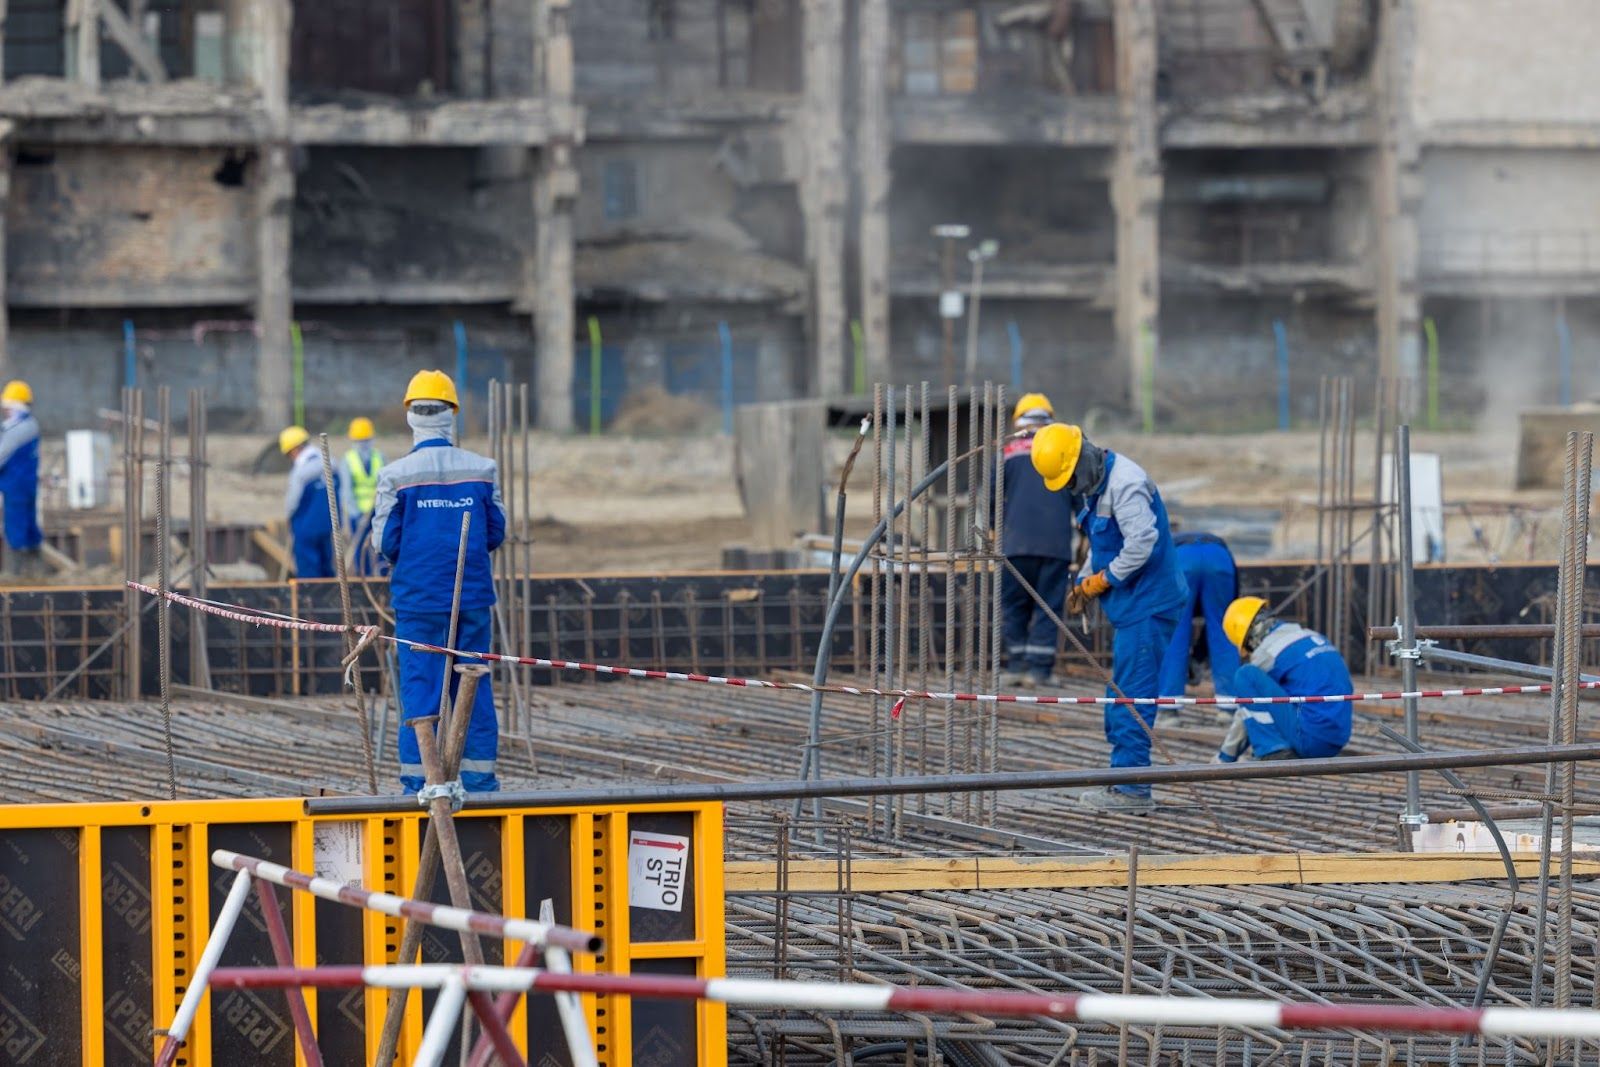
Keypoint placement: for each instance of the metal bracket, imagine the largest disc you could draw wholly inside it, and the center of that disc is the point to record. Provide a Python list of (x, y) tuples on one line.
[(1414, 822), (452, 789)]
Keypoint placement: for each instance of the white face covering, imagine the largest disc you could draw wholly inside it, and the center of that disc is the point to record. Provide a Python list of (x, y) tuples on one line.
[(432, 427)]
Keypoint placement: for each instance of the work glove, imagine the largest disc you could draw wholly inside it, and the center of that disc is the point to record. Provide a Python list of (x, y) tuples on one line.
[(1094, 585), (1077, 603)]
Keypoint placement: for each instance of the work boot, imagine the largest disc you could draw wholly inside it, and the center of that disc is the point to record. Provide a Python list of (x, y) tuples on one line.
[(1043, 680), (1010, 679), (1281, 753), (1113, 801), (30, 563)]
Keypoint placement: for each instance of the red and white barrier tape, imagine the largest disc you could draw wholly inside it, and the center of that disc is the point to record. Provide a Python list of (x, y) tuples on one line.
[(1108, 1009), (900, 696)]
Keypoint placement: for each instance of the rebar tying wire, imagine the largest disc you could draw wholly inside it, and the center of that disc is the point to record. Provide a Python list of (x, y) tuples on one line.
[(351, 644), (164, 612)]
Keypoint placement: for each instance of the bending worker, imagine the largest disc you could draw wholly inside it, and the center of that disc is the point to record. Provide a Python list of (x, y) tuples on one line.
[(310, 527), (362, 464), (416, 524), (1213, 579), (1038, 543), (1283, 659), (1134, 574), (19, 478)]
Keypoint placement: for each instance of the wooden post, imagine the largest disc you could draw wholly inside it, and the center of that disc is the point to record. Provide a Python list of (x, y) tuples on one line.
[(1136, 197), (1397, 196), (872, 150), (274, 209), (823, 191)]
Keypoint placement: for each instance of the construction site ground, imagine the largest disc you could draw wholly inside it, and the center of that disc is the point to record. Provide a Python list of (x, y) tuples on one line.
[(649, 503), (1251, 888)]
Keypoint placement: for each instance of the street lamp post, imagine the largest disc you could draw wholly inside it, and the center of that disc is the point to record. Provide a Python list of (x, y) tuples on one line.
[(950, 302), (985, 251)]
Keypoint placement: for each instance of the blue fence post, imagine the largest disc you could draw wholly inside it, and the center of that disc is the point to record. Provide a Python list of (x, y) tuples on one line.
[(1015, 335), (1281, 336), (726, 337), (1564, 335), (130, 355), (461, 373)]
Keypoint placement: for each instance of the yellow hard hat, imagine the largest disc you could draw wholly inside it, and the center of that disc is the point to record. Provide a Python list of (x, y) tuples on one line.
[(1032, 402), (432, 385), (1236, 621), (16, 392), (291, 438), (1055, 453), (361, 429)]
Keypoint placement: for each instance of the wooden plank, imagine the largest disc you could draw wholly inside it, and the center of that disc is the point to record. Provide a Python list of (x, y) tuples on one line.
[(918, 874), (274, 551)]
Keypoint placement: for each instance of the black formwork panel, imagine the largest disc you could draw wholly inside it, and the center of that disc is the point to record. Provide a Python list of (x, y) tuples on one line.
[(126, 964), (41, 1001), (547, 875), (250, 1025), (481, 853)]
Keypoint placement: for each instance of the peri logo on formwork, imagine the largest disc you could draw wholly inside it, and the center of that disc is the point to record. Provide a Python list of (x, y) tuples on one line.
[(19, 1038)]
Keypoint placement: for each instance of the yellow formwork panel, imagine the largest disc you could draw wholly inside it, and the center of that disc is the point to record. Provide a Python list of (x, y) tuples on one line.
[(108, 906)]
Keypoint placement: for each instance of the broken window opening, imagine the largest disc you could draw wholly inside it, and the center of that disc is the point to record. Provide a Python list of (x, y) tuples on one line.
[(234, 169), (32, 157)]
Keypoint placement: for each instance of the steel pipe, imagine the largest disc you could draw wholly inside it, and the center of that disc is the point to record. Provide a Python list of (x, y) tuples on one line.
[(960, 783)]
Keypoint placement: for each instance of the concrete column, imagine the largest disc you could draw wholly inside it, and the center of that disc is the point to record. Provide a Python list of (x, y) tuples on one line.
[(824, 195), (1136, 199), (555, 194), (83, 41), (1396, 200), (874, 142), (7, 365), (274, 210)]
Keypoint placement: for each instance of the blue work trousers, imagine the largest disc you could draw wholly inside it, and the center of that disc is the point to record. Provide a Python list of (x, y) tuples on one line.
[(1030, 634), (1212, 582), (1272, 728), (22, 520), (1136, 652), (313, 558), (422, 675)]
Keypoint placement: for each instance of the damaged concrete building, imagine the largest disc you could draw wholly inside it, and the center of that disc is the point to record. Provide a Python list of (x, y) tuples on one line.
[(614, 195)]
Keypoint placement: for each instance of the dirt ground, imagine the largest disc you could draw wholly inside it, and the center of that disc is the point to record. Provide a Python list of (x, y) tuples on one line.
[(669, 502)]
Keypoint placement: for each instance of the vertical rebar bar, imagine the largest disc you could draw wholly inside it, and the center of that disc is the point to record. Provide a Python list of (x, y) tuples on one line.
[(875, 659), (952, 445), (996, 613), (133, 535), (890, 601), (969, 587), (1128, 928), (163, 583), (342, 570), (924, 590), (199, 548), (522, 582)]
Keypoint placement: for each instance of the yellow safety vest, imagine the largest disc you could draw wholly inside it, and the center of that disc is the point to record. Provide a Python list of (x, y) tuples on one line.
[(363, 482)]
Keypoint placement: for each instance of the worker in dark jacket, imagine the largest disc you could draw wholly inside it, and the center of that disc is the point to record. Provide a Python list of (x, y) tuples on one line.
[(416, 524), (306, 501), (1134, 574), (19, 479), (1038, 543), (1213, 579)]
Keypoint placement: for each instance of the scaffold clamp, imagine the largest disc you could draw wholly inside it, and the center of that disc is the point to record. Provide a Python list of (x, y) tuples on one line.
[(452, 789)]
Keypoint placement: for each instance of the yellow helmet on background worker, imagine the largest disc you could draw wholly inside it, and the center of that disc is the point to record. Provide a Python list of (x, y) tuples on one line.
[(1239, 617), (291, 438), (361, 429), (432, 385), (1036, 405), (16, 392), (1056, 449)]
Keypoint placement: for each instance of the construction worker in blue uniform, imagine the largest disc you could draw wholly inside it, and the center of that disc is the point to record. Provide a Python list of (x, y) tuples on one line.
[(306, 501), (1213, 579), (361, 465), (416, 524), (1038, 543), (1133, 573), (1283, 659), (19, 479)]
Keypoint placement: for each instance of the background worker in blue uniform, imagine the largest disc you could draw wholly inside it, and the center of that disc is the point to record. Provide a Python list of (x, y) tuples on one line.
[(1283, 659), (361, 465), (1213, 579), (1038, 543), (1133, 572), (416, 524), (306, 501), (19, 479)]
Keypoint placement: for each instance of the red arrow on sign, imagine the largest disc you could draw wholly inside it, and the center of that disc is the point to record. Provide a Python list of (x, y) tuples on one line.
[(676, 845)]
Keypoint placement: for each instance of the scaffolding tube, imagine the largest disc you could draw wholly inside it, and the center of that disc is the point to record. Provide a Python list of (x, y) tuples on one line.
[(862, 786)]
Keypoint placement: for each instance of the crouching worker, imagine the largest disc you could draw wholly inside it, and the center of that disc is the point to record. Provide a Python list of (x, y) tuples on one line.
[(1283, 659)]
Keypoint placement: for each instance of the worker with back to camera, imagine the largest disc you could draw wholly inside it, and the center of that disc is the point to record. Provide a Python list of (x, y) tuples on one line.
[(416, 524), (1213, 578), (1038, 543), (306, 501), (19, 479), (1133, 573), (1283, 659), (362, 464)]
